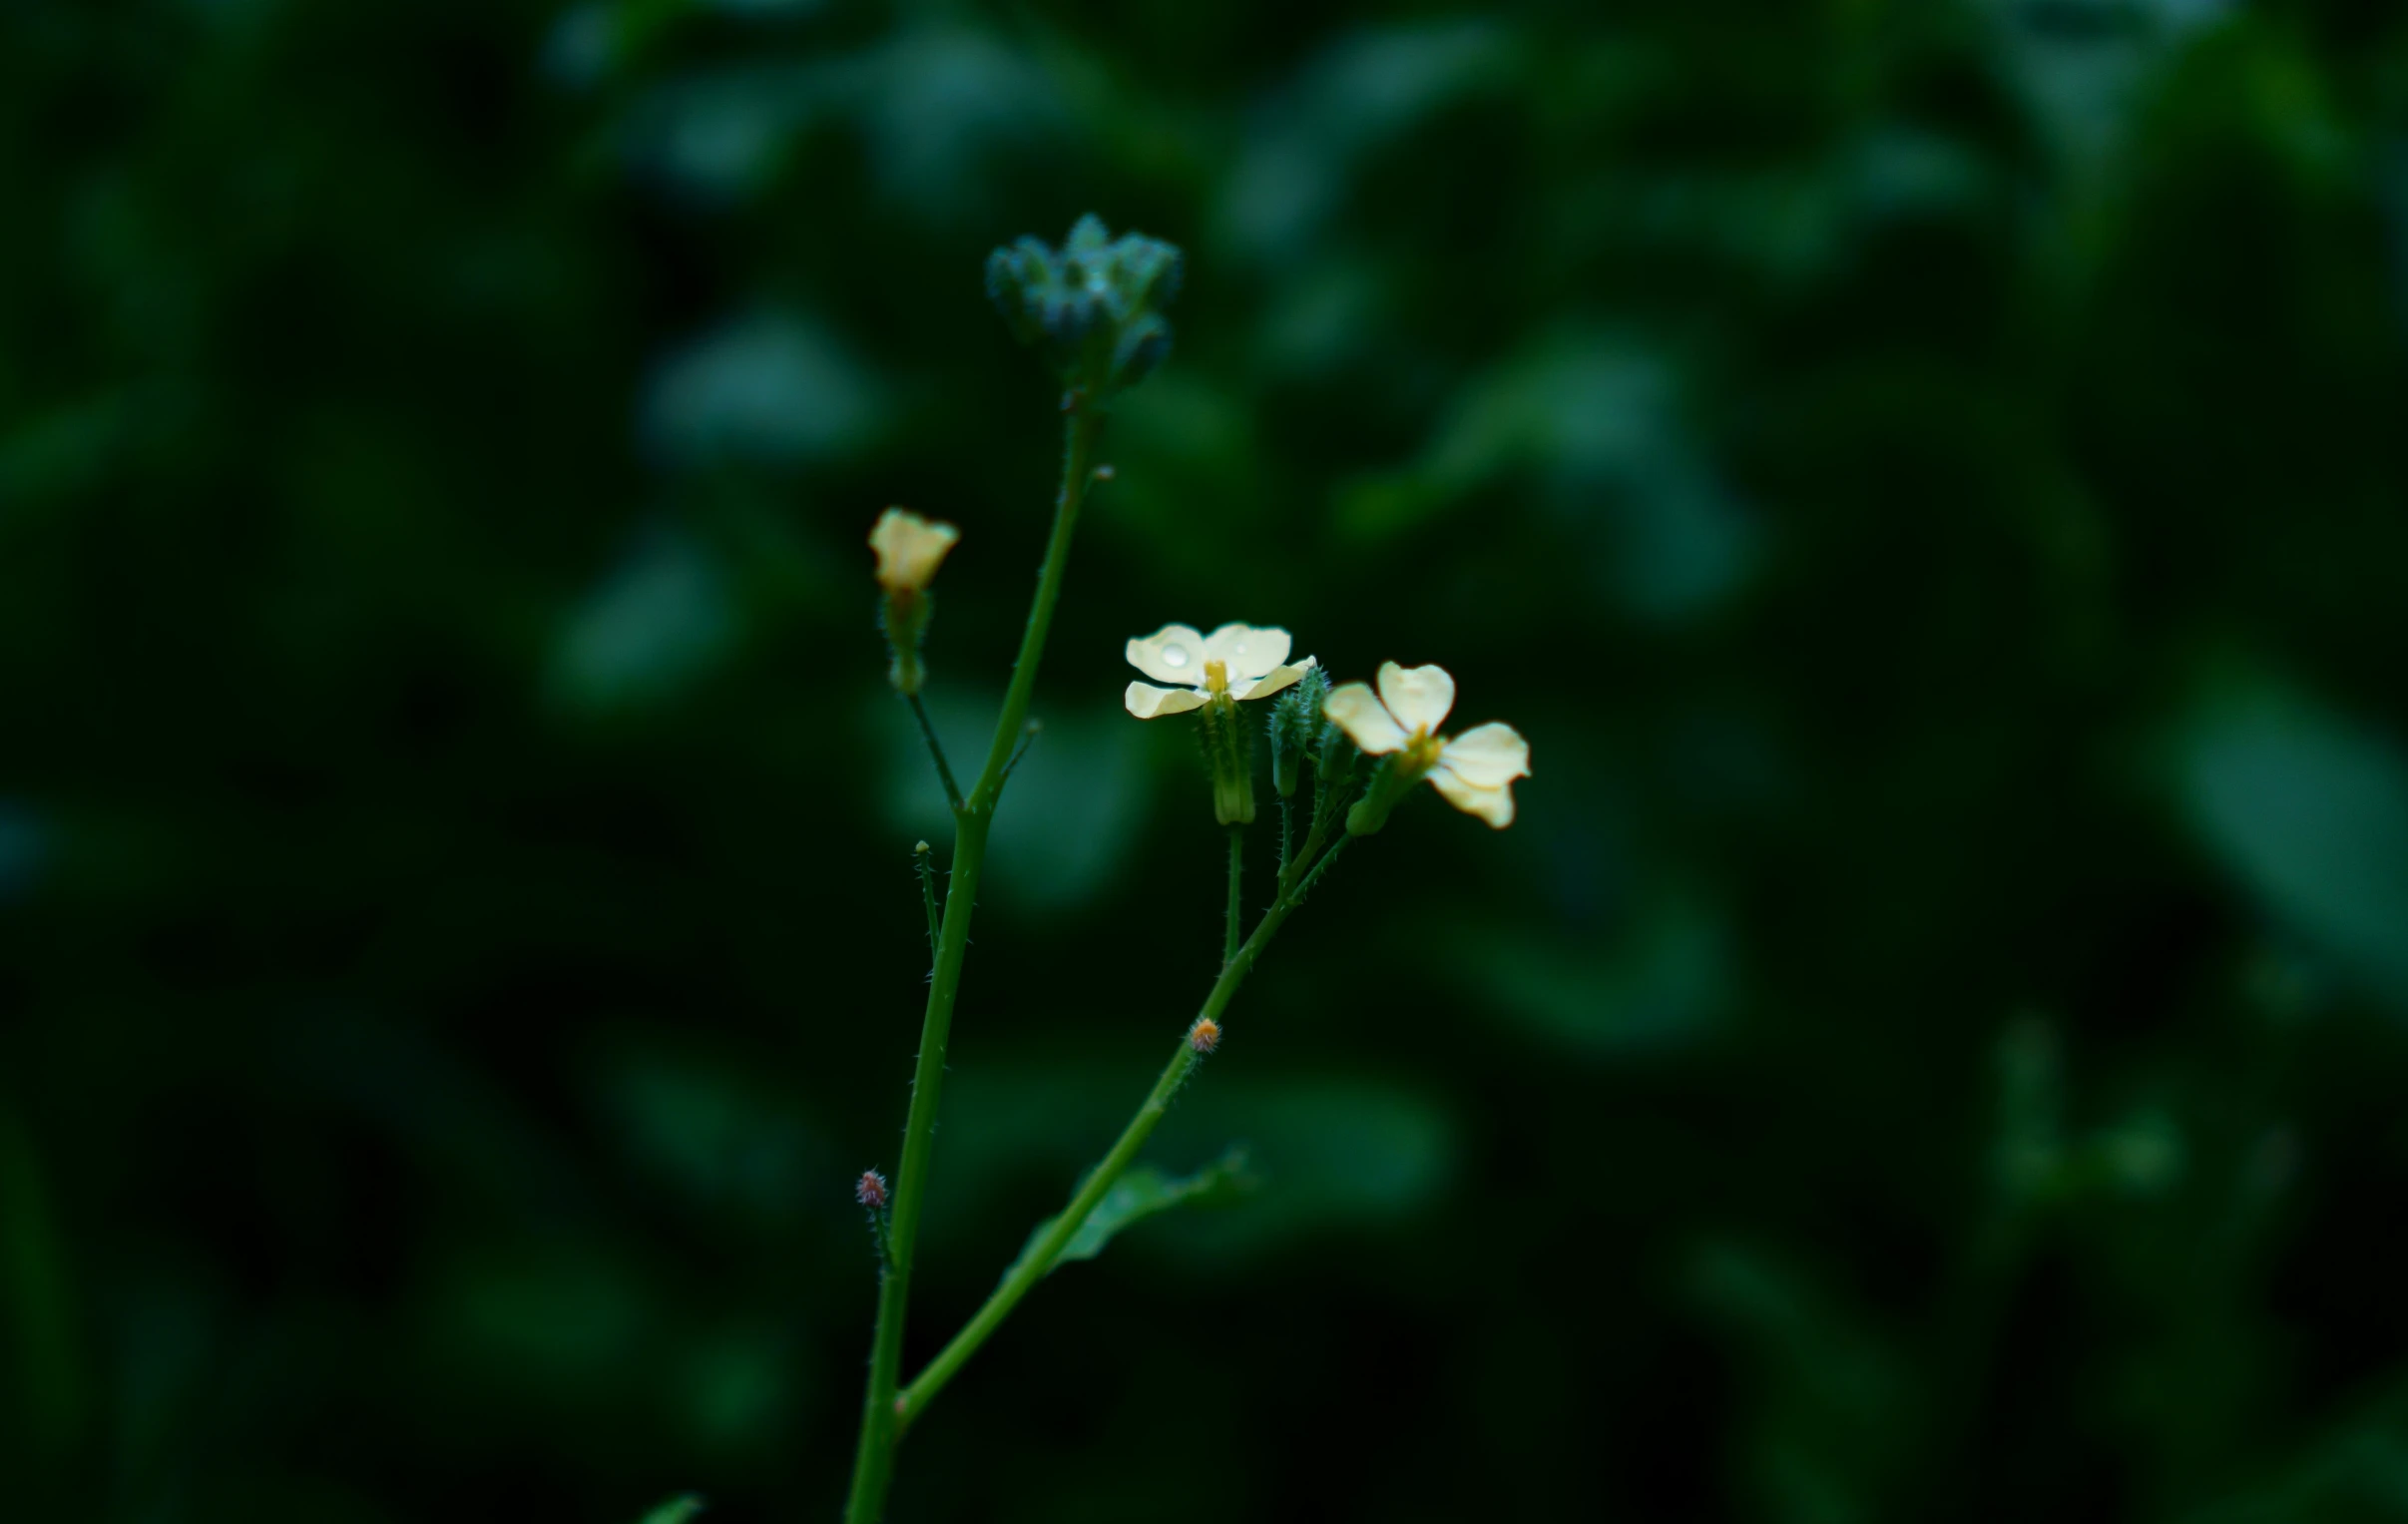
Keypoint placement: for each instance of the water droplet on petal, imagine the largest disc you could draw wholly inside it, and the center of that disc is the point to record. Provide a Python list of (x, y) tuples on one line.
[(1175, 656)]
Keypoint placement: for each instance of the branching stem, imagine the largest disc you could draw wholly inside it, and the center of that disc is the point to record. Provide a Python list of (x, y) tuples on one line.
[(1041, 1259), (881, 1422)]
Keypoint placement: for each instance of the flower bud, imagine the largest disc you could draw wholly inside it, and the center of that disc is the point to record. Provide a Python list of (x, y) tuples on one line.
[(870, 1189), (909, 549), (1204, 1036), (1295, 720), (1092, 305)]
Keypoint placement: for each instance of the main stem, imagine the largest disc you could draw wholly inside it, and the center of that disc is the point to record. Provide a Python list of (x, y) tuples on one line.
[(881, 1422), (1035, 1263)]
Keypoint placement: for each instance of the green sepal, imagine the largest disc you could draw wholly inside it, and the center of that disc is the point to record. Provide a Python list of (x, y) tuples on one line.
[(905, 617), (677, 1510), (1138, 1195), (1229, 746), (1390, 782), (1233, 798)]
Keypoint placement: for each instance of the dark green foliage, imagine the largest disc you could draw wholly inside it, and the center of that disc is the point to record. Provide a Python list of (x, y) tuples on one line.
[(1926, 475)]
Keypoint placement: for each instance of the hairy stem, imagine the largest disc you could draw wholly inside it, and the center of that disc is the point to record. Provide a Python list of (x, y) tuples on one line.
[(928, 898), (1041, 1259), (881, 1422)]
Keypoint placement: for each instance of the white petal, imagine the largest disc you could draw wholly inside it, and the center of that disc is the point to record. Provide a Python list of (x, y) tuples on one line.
[(1248, 652), (1420, 697), (1363, 717), (1272, 681), (1488, 756), (1495, 805), (1147, 702), (1173, 653)]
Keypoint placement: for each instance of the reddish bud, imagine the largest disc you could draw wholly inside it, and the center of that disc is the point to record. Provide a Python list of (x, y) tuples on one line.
[(870, 1189)]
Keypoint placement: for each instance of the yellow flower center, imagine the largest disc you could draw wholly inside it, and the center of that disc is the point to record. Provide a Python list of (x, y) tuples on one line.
[(1216, 677), (1421, 749)]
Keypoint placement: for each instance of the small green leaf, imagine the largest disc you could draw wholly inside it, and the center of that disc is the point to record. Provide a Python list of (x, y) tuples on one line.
[(1138, 1195), (676, 1511)]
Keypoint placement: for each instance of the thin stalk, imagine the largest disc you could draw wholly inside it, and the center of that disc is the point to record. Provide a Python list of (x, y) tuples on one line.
[(1293, 873), (1034, 1264), (936, 750), (1229, 943), (873, 1461)]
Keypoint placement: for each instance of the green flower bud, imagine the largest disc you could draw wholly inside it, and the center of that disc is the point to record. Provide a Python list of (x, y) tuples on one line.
[(909, 550), (1290, 724), (1091, 306)]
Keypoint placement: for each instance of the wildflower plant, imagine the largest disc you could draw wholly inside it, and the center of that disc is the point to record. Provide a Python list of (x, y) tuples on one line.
[(1094, 311)]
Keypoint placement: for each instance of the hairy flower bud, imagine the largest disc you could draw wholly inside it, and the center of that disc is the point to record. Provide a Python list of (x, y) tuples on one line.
[(1091, 306), (1294, 729), (870, 1189), (1204, 1036)]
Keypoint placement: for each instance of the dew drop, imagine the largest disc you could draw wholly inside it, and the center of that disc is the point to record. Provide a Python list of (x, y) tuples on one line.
[(1175, 656)]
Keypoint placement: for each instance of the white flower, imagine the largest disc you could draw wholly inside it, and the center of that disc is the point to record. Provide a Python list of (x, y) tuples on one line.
[(1233, 661), (910, 548), (1475, 771)]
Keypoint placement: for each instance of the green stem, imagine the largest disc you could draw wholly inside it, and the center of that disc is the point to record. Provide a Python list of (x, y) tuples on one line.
[(882, 1422), (1079, 428), (1034, 1264), (936, 750), (921, 854), (1229, 943), (1291, 877)]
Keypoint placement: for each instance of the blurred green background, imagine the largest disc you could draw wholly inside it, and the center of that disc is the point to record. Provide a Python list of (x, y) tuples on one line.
[(1927, 477)]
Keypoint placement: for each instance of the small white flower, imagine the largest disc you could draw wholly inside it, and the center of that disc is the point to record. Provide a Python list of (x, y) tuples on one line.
[(1474, 770), (910, 549), (1233, 661)]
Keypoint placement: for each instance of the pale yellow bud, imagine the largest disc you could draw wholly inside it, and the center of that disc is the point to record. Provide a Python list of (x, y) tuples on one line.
[(910, 549)]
